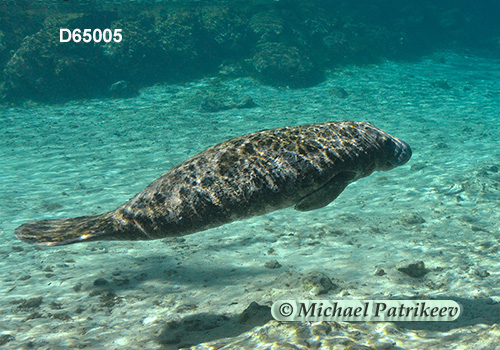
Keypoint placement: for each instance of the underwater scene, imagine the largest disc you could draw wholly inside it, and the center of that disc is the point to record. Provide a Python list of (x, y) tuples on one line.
[(170, 170)]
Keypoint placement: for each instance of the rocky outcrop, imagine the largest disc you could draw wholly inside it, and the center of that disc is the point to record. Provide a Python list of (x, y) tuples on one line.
[(287, 43)]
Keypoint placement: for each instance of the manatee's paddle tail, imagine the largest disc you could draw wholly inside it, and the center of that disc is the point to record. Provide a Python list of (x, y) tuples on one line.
[(66, 231)]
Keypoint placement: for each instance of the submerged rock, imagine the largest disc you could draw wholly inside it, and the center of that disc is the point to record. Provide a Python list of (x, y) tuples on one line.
[(483, 273), (272, 264), (193, 329), (44, 68), (284, 65), (217, 97), (225, 30), (255, 314), (267, 25), (412, 219), (317, 283), (415, 269), (109, 299), (31, 303), (5, 338), (203, 327), (100, 282)]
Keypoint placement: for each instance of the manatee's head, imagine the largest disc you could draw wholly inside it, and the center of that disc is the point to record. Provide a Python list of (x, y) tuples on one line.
[(391, 151)]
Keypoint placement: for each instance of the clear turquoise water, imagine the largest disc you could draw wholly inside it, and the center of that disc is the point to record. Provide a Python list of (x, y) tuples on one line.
[(86, 157)]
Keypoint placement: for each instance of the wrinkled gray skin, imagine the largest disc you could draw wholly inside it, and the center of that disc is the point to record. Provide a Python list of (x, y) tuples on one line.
[(305, 166)]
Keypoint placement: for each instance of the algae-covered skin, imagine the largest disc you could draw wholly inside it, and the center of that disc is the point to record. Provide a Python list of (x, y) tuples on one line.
[(305, 166)]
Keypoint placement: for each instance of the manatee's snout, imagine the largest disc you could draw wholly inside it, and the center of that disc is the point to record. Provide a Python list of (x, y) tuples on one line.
[(399, 153), (393, 151)]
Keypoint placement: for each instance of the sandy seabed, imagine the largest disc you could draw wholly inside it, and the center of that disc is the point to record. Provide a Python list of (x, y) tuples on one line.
[(87, 157)]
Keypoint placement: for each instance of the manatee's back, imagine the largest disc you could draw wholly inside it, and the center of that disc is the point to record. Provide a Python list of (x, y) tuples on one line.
[(243, 177), (239, 178)]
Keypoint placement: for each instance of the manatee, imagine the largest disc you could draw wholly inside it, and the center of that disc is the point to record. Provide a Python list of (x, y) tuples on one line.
[(305, 166)]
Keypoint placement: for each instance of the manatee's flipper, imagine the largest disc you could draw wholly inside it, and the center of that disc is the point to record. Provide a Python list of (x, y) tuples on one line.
[(325, 194), (66, 231)]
